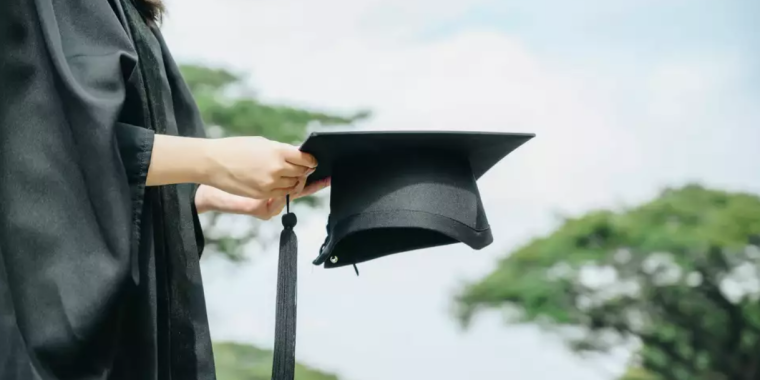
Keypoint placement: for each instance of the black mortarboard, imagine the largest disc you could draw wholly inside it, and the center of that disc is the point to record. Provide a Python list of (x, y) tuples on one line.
[(391, 192)]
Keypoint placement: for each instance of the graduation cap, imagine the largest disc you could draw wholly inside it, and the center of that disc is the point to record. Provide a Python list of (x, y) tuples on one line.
[(391, 192)]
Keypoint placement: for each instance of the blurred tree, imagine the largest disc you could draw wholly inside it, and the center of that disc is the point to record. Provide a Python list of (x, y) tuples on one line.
[(678, 276), (637, 374), (243, 362), (230, 109)]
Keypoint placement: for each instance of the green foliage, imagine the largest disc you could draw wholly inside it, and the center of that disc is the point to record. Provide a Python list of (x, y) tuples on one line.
[(225, 102), (206, 80), (637, 374), (236, 361), (677, 274), (228, 108)]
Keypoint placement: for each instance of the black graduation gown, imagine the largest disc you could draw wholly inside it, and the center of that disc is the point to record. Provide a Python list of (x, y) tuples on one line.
[(99, 274)]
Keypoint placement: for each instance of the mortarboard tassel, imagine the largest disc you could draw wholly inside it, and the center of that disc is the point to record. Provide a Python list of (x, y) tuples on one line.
[(283, 366)]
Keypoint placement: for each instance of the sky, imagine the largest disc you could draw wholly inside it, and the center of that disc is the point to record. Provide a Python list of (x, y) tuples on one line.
[(625, 97)]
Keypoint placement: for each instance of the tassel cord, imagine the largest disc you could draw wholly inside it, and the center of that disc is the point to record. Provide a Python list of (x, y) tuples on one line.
[(283, 366)]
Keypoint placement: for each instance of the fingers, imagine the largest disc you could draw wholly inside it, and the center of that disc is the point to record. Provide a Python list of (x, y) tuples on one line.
[(314, 187), (300, 186), (296, 187), (269, 208), (276, 204), (285, 183), (292, 170), (294, 156), (278, 193)]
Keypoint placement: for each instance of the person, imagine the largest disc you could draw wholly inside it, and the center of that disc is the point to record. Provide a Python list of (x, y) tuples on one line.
[(104, 168)]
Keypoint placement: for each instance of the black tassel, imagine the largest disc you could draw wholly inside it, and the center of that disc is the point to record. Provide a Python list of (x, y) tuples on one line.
[(284, 364)]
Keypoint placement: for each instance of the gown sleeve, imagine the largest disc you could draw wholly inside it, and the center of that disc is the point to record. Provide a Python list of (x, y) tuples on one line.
[(135, 147), (68, 171)]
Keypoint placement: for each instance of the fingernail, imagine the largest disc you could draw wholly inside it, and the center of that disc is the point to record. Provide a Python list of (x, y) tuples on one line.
[(311, 171)]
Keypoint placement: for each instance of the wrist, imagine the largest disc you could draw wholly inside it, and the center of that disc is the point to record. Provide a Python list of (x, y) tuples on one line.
[(209, 198), (202, 200), (205, 163), (180, 160)]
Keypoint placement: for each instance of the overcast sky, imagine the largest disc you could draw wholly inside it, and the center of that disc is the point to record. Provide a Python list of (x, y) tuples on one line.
[(625, 97)]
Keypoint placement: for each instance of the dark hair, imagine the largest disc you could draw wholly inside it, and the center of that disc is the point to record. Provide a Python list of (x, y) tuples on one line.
[(151, 9)]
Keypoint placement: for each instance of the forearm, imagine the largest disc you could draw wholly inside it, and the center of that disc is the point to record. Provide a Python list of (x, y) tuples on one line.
[(178, 160)]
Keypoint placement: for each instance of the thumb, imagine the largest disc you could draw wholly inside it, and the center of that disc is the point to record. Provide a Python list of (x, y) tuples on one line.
[(314, 187)]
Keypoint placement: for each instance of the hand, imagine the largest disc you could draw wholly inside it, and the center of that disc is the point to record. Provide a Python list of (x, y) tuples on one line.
[(257, 168), (208, 198)]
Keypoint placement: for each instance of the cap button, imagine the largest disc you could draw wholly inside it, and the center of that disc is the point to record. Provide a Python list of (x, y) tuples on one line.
[(334, 259), (289, 220)]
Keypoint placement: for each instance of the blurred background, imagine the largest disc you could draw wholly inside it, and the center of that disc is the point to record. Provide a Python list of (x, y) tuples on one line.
[(626, 232)]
